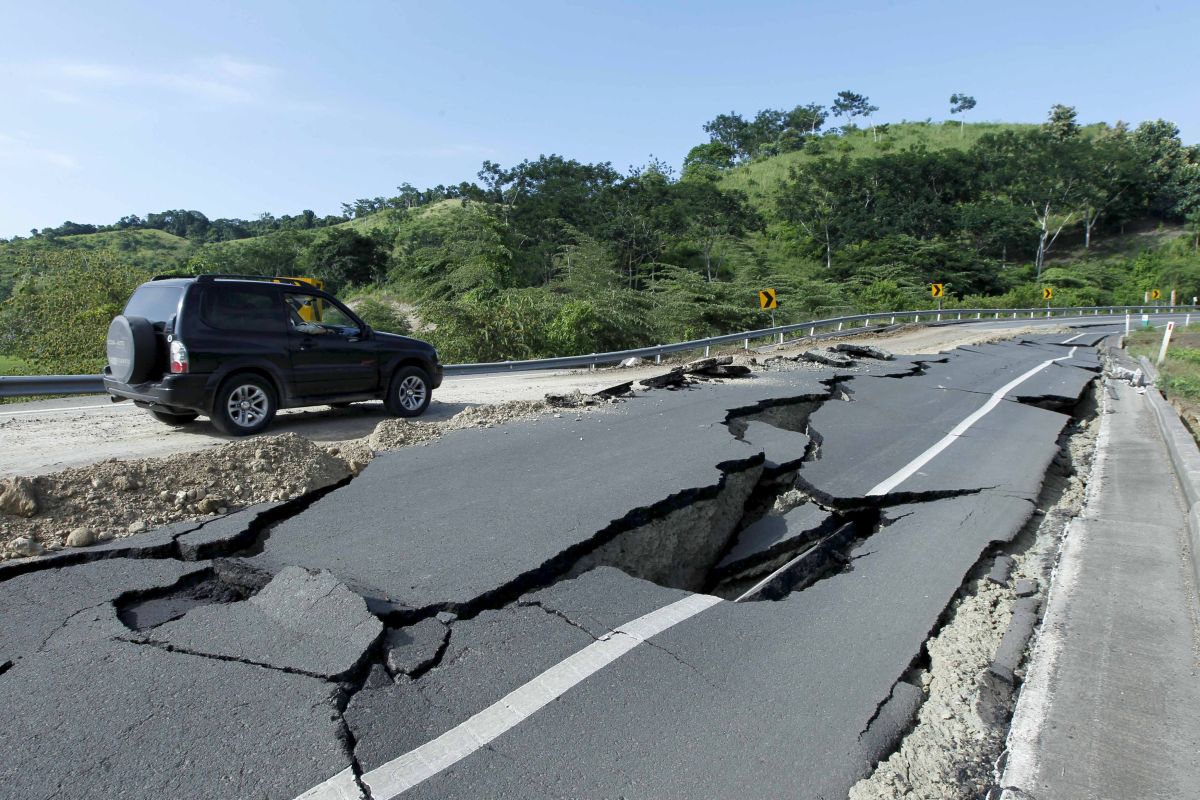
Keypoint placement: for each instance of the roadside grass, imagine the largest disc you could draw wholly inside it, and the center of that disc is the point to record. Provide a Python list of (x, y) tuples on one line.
[(11, 365), (1179, 376)]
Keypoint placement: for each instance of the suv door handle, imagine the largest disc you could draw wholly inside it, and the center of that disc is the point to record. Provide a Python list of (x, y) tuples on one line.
[(307, 344)]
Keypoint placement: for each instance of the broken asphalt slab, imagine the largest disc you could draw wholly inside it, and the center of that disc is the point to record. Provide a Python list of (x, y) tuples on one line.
[(713, 704), (36, 606), (299, 622), (116, 719), (500, 509)]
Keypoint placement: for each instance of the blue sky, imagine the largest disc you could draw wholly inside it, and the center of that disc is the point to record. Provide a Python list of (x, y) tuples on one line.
[(235, 109)]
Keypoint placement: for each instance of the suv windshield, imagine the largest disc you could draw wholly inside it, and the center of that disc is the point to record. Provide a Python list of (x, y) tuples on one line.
[(156, 302)]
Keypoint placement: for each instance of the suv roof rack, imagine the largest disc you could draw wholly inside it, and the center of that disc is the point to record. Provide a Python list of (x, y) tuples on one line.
[(263, 278)]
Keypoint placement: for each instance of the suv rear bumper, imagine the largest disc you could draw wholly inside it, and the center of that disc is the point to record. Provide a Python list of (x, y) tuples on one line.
[(173, 391)]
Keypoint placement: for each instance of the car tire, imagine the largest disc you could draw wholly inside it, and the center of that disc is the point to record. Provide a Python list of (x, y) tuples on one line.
[(171, 418), (409, 392), (244, 404)]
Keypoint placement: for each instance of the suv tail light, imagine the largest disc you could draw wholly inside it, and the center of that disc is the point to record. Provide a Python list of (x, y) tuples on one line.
[(179, 357)]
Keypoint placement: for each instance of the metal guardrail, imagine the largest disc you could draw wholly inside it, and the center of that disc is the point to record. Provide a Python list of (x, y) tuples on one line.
[(31, 385)]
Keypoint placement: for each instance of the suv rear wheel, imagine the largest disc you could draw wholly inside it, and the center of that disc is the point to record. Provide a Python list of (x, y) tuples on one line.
[(244, 404), (174, 419), (408, 392)]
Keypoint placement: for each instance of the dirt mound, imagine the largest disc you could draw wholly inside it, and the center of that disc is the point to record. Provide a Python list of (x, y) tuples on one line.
[(487, 416), (393, 433), (116, 498)]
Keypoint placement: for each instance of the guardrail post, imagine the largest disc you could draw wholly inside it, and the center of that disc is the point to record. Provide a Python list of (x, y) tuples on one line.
[(781, 337), (658, 357), (812, 331), (960, 315), (839, 326), (1187, 320), (939, 316), (893, 319), (706, 351), (746, 344), (978, 315)]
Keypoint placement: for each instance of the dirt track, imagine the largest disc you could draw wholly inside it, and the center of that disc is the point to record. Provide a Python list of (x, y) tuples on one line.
[(52, 435)]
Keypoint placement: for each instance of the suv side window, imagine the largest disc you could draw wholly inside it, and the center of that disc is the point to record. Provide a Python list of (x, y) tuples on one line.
[(311, 315), (237, 308)]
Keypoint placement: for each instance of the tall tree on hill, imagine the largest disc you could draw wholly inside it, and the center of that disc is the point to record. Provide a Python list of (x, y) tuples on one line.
[(808, 118), (1061, 123), (730, 130), (1039, 170), (851, 105), (960, 104)]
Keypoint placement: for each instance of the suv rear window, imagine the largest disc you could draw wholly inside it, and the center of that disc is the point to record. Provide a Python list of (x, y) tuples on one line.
[(232, 308), (157, 303)]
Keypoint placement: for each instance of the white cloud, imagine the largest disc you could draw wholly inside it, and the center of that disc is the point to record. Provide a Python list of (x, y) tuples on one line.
[(222, 78), (19, 151)]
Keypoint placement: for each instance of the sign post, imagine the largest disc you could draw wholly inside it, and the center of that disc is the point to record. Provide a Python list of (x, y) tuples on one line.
[(1162, 351)]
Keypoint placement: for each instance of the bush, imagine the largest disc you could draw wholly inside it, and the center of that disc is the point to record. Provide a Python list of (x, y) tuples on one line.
[(382, 315), (57, 320)]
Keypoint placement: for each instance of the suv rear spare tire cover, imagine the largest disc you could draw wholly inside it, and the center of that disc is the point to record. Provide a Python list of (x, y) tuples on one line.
[(131, 349)]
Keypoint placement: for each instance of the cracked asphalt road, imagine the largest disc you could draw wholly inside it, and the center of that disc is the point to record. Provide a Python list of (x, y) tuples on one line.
[(534, 610)]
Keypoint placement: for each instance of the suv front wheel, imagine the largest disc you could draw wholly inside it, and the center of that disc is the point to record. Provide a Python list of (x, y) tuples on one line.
[(244, 404), (408, 393)]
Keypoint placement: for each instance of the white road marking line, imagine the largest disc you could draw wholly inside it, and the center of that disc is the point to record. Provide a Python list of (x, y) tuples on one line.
[(404, 772), (1073, 338), (911, 467), (342, 786), (113, 407), (907, 470)]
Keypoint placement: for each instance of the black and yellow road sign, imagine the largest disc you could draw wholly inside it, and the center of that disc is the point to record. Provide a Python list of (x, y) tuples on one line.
[(1047, 292), (766, 299), (1155, 294), (937, 289)]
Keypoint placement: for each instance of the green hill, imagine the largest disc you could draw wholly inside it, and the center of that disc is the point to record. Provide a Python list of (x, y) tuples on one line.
[(759, 178)]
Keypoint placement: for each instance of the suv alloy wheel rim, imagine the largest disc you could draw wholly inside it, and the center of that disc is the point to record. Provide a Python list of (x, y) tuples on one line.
[(412, 393), (247, 405)]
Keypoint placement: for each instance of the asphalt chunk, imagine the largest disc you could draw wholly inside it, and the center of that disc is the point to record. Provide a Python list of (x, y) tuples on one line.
[(299, 622)]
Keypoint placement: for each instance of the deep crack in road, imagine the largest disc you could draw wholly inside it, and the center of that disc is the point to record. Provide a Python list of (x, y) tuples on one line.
[(467, 618)]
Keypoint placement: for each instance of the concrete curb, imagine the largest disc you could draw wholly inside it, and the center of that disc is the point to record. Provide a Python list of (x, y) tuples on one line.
[(1185, 458)]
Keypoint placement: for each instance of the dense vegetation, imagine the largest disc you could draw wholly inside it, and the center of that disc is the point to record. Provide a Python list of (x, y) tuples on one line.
[(553, 256)]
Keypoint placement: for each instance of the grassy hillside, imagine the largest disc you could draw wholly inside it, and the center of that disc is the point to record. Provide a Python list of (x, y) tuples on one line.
[(150, 250), (759, 178)]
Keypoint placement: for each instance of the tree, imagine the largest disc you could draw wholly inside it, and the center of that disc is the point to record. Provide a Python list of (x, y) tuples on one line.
[(1061, 122), (851, 105), (714, 218), (960, 104), (730, 130), (342, 256), (808, 118), (707, 159), (1041, 170)]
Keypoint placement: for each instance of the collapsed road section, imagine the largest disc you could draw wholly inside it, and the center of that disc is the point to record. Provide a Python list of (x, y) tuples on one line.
[(534, 609)]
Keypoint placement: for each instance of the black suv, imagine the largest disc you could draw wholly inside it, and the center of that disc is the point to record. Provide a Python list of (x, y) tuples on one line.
[(238, 348)]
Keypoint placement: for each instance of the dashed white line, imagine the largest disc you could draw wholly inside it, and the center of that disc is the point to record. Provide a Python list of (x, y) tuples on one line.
[(404, 772), (1073, 338)]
